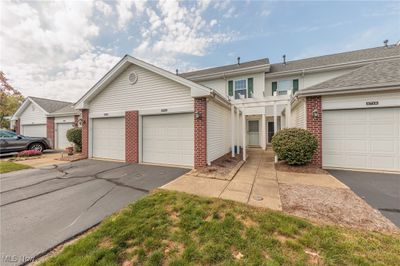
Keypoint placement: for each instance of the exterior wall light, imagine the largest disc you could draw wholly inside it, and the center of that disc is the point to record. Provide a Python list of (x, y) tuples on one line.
[(315, 114), (198, 115)]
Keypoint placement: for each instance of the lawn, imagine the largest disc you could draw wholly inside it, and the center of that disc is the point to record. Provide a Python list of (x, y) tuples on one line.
[(6, 167), (169, 228)]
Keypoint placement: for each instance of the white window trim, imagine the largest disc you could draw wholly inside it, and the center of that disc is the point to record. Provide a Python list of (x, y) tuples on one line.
[(234, 87)]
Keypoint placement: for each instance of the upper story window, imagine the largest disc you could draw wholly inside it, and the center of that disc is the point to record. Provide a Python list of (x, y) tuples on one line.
[(282, 86), (241, 88)]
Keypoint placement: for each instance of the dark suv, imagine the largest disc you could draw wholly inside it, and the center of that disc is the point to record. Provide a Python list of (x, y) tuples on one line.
[(12, 142)]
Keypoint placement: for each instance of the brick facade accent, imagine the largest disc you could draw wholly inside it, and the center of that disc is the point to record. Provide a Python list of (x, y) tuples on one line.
[(314, 125), (132, 136), (85, 132), (50, 129), (18, 126), (200, 132)]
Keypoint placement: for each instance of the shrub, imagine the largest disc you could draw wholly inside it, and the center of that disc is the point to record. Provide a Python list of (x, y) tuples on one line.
[(74, 135), (29, 153), (294, 145)]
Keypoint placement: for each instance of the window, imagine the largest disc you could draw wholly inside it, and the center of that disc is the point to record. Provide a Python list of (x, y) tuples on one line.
[(7, 134), (282, 86), (240, 88)]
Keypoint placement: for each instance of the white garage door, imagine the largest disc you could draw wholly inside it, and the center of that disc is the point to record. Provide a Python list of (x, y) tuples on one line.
[(168, 139), (362, 139), (61, 135), (109, 138), (34, 130)]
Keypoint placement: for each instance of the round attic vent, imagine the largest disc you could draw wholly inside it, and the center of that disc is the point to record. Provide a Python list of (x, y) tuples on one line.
[(133, 78)]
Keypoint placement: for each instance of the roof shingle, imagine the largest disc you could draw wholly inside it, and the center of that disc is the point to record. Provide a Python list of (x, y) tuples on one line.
[(374, 75), (50, 106)]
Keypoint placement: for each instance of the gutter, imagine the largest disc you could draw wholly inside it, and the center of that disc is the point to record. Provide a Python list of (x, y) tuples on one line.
[(350, 90), (224, 74)]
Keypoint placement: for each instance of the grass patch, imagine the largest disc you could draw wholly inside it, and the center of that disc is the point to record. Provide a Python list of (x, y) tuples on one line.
[(6, 167), (171, 228)]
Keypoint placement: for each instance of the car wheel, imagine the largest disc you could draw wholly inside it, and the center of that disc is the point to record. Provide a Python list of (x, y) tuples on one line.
[(36, 147)]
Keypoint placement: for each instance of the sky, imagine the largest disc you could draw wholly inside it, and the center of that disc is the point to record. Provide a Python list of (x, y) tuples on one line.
[(59, 50)]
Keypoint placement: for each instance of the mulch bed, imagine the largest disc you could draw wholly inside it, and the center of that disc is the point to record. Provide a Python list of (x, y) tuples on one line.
[(223, 168), (305, 169), (337, 206)]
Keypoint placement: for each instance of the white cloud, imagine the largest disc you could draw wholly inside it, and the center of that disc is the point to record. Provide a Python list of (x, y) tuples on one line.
[(125, 13), (213, 22), (265, 13), (103, 7)]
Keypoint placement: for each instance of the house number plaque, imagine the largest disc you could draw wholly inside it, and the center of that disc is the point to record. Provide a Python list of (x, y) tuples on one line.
[(372, 103)]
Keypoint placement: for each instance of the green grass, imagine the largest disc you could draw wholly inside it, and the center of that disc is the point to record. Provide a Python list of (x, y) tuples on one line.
[(6, 167), (170, 228)]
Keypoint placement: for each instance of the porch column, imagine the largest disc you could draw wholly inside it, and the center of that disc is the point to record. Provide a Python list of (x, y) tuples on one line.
[(238, 130), (275, 126), (275, 118), (263, 136), (289, 112), (233, 130), (244, 135)]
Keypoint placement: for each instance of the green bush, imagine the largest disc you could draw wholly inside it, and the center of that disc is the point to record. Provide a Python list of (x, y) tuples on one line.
[(74, 135), (294, 145)]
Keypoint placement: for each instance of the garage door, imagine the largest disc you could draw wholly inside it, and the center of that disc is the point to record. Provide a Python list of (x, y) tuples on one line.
[(109, 138), (362, 139), (34, 130), (61, 135), (168, 139)]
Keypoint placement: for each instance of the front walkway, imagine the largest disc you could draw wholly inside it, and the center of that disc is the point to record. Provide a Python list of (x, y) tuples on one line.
[(255, 183)]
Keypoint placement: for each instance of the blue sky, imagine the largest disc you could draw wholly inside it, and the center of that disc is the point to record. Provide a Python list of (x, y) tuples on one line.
[(60, 49)]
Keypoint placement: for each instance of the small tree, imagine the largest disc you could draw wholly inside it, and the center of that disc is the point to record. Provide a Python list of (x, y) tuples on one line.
[(10, 100), (295, 145), (74, 135)]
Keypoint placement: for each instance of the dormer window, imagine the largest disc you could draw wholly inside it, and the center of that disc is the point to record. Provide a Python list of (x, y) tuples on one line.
[(282, 86), (240, 88)]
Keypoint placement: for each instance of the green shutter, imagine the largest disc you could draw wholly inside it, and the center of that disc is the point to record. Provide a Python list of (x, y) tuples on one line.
[(250, 87), (295, 85), (230, 88), (274, 87)]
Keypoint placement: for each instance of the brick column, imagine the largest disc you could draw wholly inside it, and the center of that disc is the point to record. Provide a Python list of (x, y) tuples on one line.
[(85, 132), (18, 126), (132, 136), (200, 132), (314, 125), (50, 131)]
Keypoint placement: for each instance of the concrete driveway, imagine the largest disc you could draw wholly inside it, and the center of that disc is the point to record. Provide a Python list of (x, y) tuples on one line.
[(41, 208), (381, 191)]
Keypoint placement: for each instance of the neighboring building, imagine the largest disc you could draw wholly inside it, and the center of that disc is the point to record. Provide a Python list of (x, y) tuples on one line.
[(38, 117), (143, 114)]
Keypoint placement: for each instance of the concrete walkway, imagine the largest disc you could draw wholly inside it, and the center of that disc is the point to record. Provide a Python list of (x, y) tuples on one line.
[(255, 183)]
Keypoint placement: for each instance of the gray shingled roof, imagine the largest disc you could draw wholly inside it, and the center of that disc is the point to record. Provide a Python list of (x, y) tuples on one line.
[(50, 106), (222, 69), (374, 75), (339, 58), (66, 109)]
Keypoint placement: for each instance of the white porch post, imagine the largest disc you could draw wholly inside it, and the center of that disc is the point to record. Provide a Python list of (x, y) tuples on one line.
[(263, 135), (275, 126), (233, 130), (289, 112), (238, 130), (244, 135)]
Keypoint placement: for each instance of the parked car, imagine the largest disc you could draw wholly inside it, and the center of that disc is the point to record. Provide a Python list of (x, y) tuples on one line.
[(12, 142)]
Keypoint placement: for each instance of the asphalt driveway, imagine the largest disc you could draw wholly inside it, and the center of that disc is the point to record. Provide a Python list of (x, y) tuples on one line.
[(381, 191), (41, 208)]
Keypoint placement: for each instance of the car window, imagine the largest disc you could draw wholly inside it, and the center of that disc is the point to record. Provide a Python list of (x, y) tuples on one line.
[(7, 134)]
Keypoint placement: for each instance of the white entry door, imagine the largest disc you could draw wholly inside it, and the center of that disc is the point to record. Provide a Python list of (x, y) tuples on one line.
[(253, 131), (34, 130), (168, 139), (61, 135), (108, 138), (361, 139)]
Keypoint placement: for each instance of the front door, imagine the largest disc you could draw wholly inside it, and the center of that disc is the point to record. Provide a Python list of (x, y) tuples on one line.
[(253, 129), (270, 131)]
